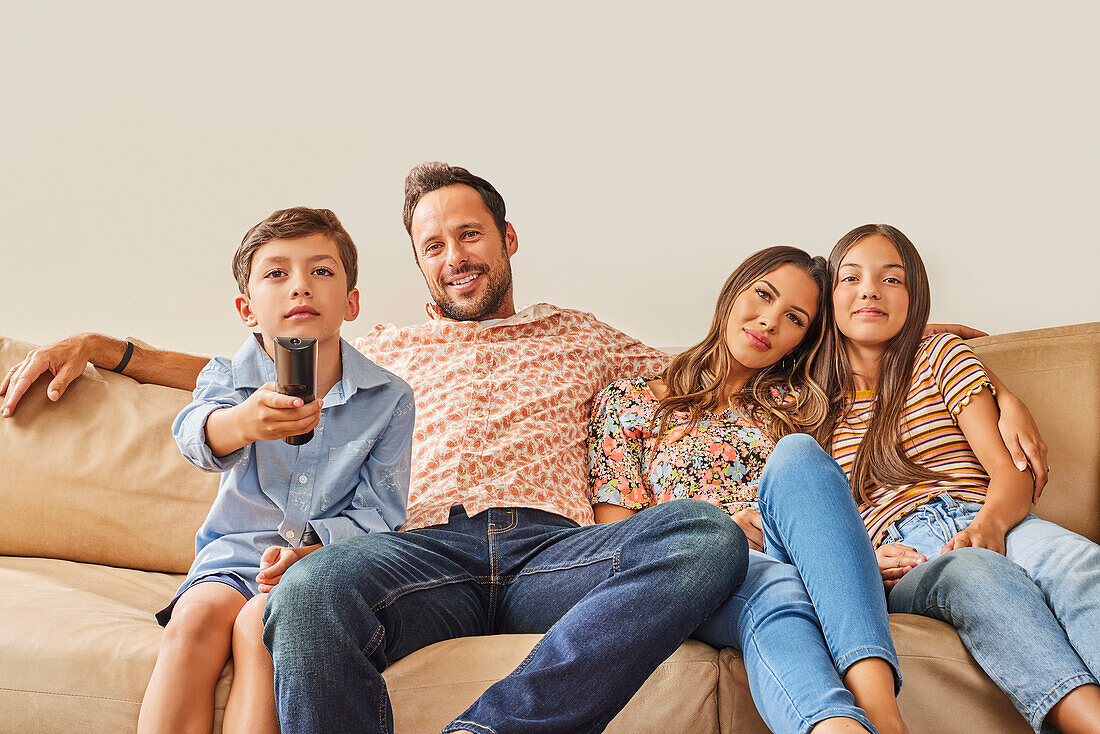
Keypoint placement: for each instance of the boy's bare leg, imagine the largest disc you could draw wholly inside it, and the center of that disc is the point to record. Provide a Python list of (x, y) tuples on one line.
[(193, 651), (251, 706), (871, 681)]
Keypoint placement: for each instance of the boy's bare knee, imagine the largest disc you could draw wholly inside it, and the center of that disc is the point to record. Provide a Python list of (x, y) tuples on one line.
[(202, 618), (250, 620)]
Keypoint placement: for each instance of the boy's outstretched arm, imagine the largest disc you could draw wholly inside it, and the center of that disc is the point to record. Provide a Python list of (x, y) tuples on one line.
[(266, 415), (66, 360)]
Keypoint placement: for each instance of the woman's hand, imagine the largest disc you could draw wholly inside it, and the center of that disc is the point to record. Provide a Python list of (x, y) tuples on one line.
[(276, 560), (749, 521), (979, 535), (894, 561)]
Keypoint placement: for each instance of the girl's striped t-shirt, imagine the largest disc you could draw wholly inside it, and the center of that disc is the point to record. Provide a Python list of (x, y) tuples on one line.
[(945, 374)]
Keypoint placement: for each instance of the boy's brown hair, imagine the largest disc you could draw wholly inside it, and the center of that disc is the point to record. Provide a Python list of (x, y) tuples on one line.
[(288, 224)]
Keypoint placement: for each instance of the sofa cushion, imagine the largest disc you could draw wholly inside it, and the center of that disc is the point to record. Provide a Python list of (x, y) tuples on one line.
[(943, 689), (96, 476), (1056, 371), (78, 643), (432, 686)]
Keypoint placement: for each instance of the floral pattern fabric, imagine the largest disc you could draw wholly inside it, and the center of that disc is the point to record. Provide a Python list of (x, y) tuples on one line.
[(719, 459), (502, 409)]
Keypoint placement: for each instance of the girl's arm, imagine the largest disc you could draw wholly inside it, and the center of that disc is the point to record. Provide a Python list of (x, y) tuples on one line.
[(1008, 499)]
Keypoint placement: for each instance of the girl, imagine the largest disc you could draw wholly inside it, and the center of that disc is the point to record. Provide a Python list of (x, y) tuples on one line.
[(914, 424), (704, 428)]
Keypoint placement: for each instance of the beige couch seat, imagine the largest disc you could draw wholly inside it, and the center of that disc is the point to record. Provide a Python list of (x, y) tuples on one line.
[(100, 511)]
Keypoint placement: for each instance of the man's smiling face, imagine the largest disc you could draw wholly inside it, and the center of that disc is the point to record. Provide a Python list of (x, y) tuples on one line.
[(465, 261)]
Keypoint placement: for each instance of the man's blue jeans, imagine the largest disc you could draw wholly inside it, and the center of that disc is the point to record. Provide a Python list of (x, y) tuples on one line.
[(613, 601), (814, 605), (1031, 619)]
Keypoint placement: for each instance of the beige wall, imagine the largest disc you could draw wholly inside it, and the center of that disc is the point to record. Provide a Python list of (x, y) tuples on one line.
[(644, 149)]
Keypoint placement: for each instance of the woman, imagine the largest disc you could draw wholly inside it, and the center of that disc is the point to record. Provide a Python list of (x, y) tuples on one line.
[(914, 423), (810, 618)]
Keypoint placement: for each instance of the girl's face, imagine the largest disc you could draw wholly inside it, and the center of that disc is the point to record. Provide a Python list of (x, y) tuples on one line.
[(870, 300), (770, 319)]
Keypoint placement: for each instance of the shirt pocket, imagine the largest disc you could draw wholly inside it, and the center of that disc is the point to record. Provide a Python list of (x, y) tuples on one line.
[(344, 462)]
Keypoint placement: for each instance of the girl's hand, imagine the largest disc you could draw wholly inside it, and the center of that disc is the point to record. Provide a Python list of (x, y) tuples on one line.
[(276, 560), (978, 535), (894, 561), (749, 521)]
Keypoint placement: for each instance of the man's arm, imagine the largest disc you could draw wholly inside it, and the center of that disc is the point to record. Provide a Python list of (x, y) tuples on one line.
[(1021, 435), (66, 360)]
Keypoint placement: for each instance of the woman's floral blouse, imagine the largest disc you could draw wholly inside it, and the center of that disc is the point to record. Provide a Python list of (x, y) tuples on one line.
[(718, 460)]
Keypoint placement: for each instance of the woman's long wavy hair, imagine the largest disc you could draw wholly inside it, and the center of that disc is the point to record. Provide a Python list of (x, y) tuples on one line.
[(880, 460), (695, 380)]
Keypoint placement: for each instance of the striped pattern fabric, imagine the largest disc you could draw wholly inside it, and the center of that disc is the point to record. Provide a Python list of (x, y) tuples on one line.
[(945, 374)]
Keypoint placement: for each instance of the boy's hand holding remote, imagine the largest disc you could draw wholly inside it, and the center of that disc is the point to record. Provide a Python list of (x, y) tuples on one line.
[(267, 415)]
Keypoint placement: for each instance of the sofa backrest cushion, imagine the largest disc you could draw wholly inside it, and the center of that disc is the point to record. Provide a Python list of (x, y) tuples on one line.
[(96, 477), (1056, 371)]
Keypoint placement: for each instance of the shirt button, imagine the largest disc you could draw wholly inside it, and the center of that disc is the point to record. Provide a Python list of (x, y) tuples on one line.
[(290, 535), (302, 479)]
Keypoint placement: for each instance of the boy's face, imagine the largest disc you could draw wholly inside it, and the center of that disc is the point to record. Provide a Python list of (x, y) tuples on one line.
[(298, 287)]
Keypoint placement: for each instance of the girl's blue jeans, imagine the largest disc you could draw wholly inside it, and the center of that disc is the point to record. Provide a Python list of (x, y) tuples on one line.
[(1031, 619), (813, 605)]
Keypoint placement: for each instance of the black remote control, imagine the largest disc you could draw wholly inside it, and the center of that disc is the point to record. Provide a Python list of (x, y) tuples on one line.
[(296, 374)]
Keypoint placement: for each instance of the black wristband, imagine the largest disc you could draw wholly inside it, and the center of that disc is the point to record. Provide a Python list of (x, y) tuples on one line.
[(125, 358)]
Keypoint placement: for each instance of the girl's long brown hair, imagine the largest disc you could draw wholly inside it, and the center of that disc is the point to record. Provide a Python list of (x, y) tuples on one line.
[(880, 460), (695, 379)]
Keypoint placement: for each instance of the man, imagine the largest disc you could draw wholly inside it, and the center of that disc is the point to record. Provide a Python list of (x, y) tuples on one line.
[(498, 536)]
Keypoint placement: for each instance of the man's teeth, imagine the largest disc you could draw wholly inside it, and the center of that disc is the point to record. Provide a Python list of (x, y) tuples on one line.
[(465, 280)]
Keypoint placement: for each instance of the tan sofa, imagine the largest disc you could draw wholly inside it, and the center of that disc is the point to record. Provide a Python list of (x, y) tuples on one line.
[(100, 511)]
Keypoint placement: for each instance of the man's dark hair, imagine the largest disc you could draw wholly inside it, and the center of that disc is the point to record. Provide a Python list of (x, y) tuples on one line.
[(289, 224), (432, 175)]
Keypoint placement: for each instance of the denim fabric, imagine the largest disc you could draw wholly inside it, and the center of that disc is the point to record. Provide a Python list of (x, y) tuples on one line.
[(613, 601), (351, 478), (814, 605), (1031, 619)]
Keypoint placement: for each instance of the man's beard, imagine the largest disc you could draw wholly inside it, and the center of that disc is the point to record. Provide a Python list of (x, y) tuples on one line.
[(496, 292)]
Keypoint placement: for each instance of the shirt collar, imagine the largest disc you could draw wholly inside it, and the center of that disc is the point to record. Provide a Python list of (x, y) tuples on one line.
[(252, 367)]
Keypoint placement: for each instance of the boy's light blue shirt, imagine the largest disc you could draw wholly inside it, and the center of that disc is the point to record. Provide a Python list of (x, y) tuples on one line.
[(351, 478)]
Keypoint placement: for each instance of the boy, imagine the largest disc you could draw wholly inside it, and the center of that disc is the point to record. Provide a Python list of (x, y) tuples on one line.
[(296, 272)]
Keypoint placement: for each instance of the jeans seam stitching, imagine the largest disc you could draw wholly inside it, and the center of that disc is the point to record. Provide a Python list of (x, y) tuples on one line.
[(886, 655), (473, 723), (514, 522), (570, 564), (492, 577), (399, 592)]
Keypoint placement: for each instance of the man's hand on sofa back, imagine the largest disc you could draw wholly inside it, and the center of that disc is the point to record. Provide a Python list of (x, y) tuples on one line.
[(67, 358)]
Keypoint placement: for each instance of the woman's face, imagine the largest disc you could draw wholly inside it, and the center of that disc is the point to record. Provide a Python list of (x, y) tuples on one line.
[(770, 319), (870, 300)]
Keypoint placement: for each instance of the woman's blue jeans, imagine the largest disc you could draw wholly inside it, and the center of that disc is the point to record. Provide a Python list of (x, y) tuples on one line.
[(1031, 619), (814, 605), (613, 601)]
